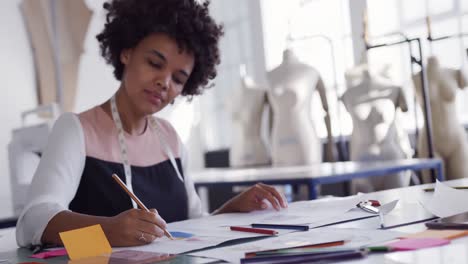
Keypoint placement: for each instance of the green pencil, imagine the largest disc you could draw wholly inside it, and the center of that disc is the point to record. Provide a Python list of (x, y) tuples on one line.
[(380, 249)]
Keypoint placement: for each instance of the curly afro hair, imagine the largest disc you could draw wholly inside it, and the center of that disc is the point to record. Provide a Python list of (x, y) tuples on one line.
[(188, 22)]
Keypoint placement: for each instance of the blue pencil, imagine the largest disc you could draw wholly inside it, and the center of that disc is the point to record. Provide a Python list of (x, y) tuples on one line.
[(275, 226)]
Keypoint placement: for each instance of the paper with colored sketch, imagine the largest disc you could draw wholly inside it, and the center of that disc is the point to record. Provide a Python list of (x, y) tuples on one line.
[(201, 238), (353, 238), (214, 230), (446, 201)]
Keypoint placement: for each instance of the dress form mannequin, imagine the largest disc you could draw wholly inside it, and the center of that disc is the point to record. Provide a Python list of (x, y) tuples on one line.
[(72, 20), (247, 105), (294, 139), (372, 102), (448, 135)]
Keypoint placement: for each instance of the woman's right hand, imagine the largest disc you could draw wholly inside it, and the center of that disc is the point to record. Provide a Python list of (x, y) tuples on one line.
[(134, 227)]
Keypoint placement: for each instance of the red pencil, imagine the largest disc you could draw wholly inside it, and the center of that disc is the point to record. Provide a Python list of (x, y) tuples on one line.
[(254, 230)]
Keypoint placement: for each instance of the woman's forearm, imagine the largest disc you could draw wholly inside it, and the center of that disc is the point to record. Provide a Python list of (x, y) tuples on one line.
[(67, 220)]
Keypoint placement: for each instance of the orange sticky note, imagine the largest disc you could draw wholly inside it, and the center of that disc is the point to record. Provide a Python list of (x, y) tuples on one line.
[(85, 242)]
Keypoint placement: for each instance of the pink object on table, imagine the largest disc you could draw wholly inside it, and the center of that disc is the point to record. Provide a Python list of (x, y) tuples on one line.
[(418, 243), (50, 254)]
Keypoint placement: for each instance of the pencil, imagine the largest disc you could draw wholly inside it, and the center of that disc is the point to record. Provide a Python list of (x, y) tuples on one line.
[(276, 226), (254, 230), (457, 187), (133, 196)]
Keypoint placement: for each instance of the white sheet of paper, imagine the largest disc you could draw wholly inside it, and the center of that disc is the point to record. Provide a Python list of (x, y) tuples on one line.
[(363, 237), (307, 212), (388, 207), (165, 245), (446, 201), (353, 237), (202, 238), (234, 253), (354, 213), (303, 212)]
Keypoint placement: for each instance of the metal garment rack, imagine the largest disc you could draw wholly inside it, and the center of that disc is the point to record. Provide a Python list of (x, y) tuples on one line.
[(424, 84), (430, 38), (341, 147)]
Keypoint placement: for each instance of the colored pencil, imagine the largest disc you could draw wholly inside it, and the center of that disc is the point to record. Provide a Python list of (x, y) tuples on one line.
[(308, 257), (456, 187), (133, 196), (277, 226), (253, 230)]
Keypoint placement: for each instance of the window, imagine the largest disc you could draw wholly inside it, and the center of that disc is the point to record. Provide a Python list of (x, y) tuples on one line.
[(239, 46)]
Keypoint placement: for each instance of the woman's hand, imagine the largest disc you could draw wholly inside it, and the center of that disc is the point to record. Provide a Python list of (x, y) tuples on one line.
[(134, 227), (254, 198)]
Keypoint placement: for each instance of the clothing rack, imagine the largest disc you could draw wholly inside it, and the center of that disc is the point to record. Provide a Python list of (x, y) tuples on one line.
[(342, 153), (431, 39), (424, 84), (462, 35)]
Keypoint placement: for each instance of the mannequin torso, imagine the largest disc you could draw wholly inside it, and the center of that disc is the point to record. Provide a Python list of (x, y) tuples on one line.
[(294, 139), (448, 135), (247, 105), (372, 103)]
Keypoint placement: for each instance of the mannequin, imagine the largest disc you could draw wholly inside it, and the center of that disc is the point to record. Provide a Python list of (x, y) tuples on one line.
[(247, 105), (72, 19), (294, 139), (449, 137), (372, 102)]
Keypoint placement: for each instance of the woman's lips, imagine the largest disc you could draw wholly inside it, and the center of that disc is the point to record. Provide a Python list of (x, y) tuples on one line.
[(154, 98)]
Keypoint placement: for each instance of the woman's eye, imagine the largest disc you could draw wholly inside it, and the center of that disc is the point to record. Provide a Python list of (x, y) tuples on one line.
[(154, 64), (178, 81)]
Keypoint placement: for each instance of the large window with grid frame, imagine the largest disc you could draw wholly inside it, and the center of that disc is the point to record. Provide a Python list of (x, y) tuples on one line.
[(241, 45)]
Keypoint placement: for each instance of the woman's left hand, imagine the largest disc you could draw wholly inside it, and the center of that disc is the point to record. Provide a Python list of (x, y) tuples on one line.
[(254, 198)]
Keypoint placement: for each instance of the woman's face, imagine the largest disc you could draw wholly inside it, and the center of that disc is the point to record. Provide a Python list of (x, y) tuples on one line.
[(155, 73)]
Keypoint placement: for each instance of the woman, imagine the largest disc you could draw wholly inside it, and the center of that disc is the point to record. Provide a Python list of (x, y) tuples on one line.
[(159, 49)]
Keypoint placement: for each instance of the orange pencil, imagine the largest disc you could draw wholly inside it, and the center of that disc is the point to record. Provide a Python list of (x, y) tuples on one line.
[(133, 196)]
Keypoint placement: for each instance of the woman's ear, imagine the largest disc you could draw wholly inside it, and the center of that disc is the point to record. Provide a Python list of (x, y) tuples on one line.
[(125, 56)]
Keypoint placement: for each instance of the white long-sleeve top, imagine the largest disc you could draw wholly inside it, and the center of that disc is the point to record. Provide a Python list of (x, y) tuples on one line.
[(76, 167)]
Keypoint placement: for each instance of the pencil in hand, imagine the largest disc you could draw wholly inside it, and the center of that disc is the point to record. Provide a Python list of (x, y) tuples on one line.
[(140, 204)]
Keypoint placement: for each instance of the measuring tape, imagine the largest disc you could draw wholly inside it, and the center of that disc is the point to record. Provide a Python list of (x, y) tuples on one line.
[(124, 149)]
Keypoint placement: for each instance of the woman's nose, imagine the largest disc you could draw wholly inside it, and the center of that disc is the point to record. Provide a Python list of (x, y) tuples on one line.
[(163, 82)]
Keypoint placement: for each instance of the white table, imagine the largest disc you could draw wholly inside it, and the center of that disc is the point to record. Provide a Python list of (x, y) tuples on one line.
[(313, 175), (406, 195)]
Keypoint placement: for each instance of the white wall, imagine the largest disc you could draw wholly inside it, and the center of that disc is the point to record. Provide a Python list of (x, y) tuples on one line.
[(18, 86), (96, 82)]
